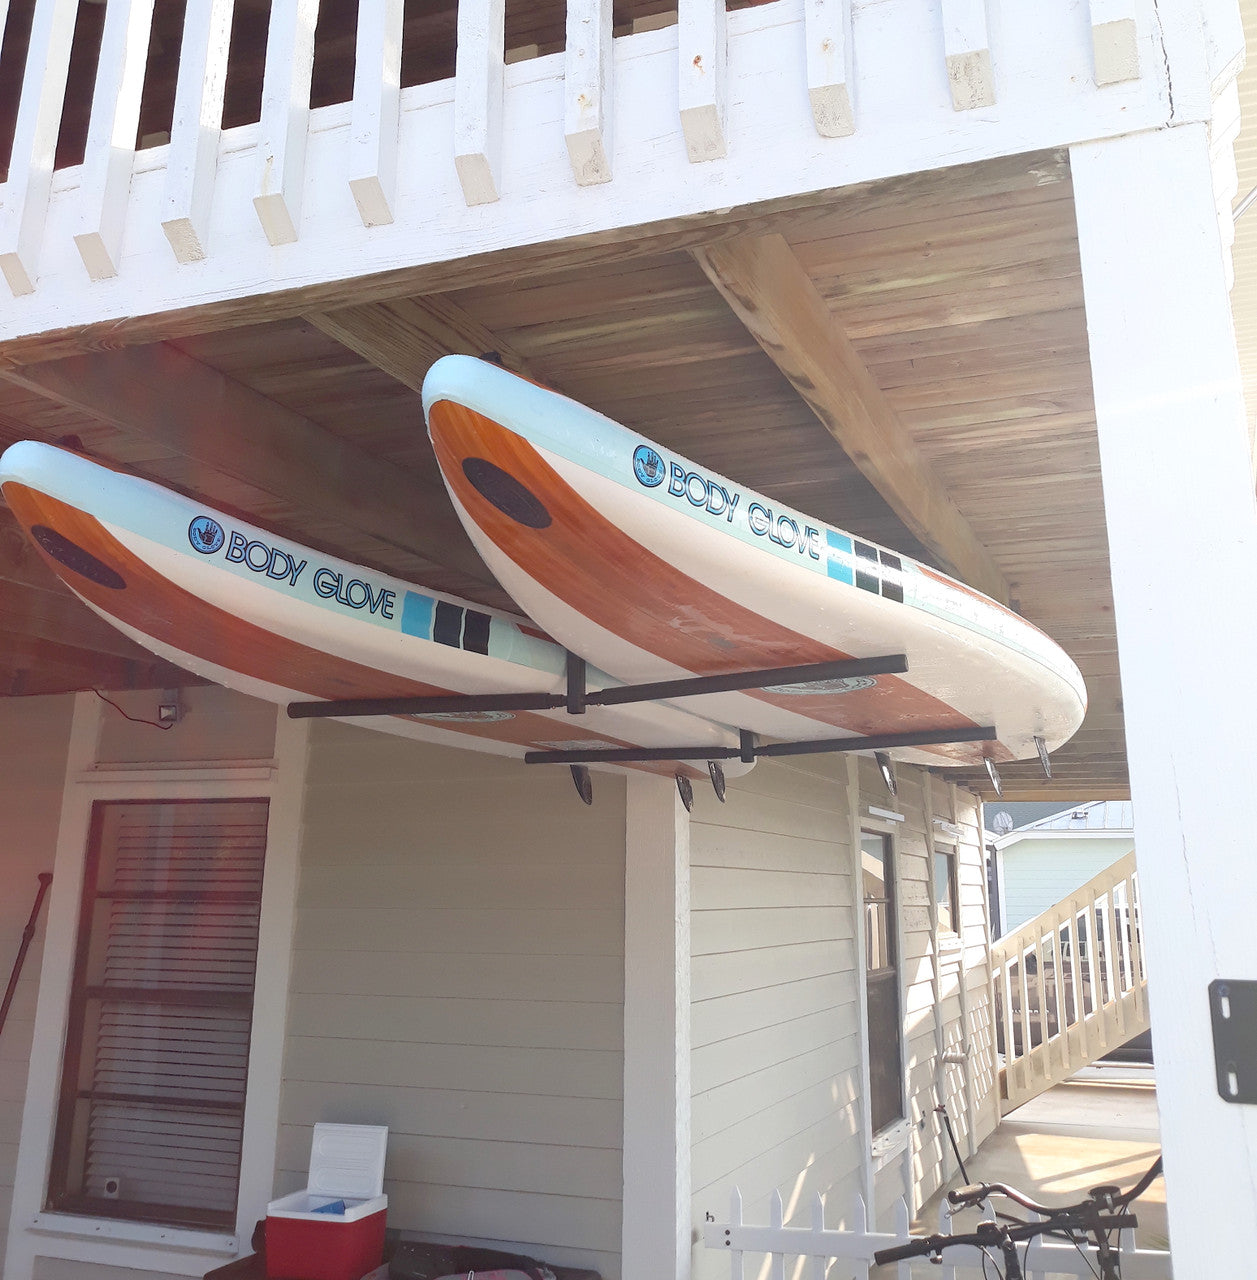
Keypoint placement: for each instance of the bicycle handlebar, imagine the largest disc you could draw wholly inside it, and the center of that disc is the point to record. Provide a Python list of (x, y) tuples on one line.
[(977, 1192)]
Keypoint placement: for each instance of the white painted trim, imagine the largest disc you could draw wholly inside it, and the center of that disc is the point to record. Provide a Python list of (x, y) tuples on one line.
[(192, 162), (830, 73), (1080, 833), (886, 815), (588, 90), (110, 150), (32, 1231), (868, 1173), (907, 126), (656, 1231), (891, 1143), (24, 201), (967, 51), (702, 76), (1162, 352), (371, 151), (285, 118), (999, 885), (479, 92)]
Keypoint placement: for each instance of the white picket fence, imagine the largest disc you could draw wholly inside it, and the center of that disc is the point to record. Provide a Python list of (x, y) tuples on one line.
[(819, 1252), (1070, 985)]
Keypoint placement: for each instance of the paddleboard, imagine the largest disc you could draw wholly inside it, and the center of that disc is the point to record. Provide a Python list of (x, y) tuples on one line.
[(656, 568), (270, 618)]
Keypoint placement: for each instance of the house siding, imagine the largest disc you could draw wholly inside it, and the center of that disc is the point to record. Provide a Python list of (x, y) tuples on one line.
[(1037, 874), (458, 976), (34, 737)]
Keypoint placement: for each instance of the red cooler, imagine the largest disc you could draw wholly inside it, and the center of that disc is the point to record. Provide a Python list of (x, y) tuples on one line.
[(334, 1229)]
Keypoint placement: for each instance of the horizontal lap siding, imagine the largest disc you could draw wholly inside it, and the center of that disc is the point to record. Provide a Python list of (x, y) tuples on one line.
[(775, 1019), (34, 738), (458, 976), (1039, 873)]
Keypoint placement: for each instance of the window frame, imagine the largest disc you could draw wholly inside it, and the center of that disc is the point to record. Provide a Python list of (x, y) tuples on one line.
[(886, 1136), (950, 932), (59, 1197), (39, 1232)]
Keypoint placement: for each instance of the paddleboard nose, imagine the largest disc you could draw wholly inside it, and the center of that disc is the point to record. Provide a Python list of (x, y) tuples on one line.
[(48, 519)]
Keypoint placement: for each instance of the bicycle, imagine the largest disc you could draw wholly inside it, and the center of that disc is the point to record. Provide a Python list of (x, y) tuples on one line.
[(1097, 1219)]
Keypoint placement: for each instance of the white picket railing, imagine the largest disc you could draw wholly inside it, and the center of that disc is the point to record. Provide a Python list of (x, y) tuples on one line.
[(699, 76), (846, 1252), (1070, 985)]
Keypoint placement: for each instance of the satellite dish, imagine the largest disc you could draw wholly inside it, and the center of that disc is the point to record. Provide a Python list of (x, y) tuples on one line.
[(1002, 823)]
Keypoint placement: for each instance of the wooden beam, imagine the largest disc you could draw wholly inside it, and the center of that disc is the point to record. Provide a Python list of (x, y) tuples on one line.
[(775, 299), (205, 416), (406, 337), (31, 665)]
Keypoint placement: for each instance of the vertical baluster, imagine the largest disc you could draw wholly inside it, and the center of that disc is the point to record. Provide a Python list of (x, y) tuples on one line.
[(1024, 980), (373, 127), (819, 1259), (1137, 946), (1114, 41), (1075, 979), (285, 118), (736, 1269), (1046, 1051), (1058, 994), (776, 1220), (194, 132), (24, 198), (859, 1225), (703, 50), (830, 80), (967, 49), (903, 1224), (587, 90), (1112, 966), (479, 77), (1094, 960), (105, 187)]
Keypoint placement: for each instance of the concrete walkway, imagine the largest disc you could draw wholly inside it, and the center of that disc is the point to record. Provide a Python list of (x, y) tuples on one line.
[(1100, 1127)]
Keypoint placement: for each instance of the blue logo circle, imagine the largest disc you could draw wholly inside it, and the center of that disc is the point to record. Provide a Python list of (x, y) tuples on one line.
[(206, 535), (648, 466)]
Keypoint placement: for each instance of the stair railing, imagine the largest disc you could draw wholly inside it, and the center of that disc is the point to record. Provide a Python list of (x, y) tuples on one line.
[(1070, 985)]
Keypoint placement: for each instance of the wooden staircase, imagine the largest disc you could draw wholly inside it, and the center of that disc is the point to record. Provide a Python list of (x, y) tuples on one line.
[(1070, 985)]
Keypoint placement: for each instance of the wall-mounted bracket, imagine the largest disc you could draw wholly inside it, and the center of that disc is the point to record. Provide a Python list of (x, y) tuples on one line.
[(1233, 1010), (577, 696)]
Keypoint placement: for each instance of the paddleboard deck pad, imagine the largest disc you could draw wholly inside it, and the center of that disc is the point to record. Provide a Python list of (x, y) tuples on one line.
[(653, 568), (268, 617)]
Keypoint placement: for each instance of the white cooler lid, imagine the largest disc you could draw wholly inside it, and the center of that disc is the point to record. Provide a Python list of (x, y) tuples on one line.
[(347, 1160)]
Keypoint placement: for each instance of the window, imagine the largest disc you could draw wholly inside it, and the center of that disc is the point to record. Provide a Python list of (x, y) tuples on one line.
[(946, 891), (151, 1115), (881, 964)]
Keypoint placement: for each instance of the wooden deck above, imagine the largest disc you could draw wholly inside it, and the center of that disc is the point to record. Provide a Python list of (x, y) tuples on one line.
[(931, 328)]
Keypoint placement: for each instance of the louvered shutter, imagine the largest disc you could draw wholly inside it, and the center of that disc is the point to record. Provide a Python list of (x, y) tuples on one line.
[(158, 1052)]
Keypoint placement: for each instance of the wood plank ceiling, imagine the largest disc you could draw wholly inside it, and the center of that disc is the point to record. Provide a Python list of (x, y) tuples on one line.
[(959, 294)]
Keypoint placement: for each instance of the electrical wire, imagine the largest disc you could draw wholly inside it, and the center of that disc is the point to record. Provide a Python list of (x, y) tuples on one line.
[(156, 724)]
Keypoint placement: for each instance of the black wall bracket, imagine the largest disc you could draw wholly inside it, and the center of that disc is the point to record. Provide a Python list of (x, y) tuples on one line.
[(1233, 1010)]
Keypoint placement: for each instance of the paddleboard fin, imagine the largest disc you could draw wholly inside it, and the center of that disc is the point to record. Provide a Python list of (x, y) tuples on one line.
[(887, 772), (584, 783), (1041, 747), (686, 788), (993, 773), (717, 779)]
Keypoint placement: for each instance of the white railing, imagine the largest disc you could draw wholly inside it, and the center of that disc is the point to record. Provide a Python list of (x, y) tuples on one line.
[(1070, 985), (850, 1248), (470, 139)]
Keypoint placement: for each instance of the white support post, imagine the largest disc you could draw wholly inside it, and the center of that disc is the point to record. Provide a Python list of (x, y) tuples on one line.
[(197, 125), (479, 82), (285, 118), (830, 78), (587, 90), (24, 197), (967, 48), (373, 125), (703, 73), (1114, 41), (105, 187), (868, 1175), (1182, 532), (656, 1222)]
